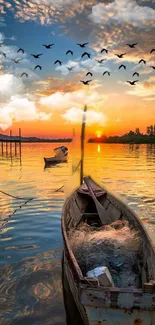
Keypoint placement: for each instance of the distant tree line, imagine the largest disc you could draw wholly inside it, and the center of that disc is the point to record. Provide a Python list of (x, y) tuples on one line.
[(130, 137)]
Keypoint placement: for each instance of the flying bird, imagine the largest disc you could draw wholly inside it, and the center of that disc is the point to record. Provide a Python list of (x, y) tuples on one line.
[(48, 46), (86, 82), (38, 66), (142, 60), (70, 68), (85, 53), (89, 73), (82, 45), (153, 67), (16, 60), (106, 72), (132, 45), (132, 82), (58, 61), (20, 50), (69, 51), (120, 56), (135, 74), (104, 50), (101, 61), (153, 50), (4, 54), (24, 74), (122, 66), (36, 56)]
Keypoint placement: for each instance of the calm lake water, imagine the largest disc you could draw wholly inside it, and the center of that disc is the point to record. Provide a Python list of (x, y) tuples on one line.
[(30, 240)]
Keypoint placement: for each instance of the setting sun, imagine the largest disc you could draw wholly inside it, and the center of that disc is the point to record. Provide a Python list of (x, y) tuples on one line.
[(98, 134)]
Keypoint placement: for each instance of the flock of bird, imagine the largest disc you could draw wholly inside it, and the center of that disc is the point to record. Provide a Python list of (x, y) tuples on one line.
[(104, 50)]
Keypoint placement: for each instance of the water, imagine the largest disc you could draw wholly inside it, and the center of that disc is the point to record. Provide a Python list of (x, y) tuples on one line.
[(30, 239)]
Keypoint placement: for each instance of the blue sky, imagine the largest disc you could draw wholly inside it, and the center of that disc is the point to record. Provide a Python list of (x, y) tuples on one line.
[(55, 94)]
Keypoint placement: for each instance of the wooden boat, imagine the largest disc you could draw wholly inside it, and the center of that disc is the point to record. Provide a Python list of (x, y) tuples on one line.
[(87, 302), (98, 304), (54, 160), (61, 156)]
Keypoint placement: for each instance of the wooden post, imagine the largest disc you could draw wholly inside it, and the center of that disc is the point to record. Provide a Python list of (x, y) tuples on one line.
[(15, 148), (6, 148), (11, 143), (82, 142), (20, 149), (19, 134), (2, 148)]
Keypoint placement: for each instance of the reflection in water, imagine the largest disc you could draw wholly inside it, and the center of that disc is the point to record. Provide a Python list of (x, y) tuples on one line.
[(32, 291), (31, 242), (98, 148), (150, 153)]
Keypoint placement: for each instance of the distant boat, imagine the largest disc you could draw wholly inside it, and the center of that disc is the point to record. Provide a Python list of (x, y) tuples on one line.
[(61, 156)]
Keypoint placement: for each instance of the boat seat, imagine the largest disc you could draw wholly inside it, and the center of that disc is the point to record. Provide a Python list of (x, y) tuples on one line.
[(89, 214)]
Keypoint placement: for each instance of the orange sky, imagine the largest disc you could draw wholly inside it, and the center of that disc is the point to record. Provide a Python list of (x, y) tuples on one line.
[(49, 102)]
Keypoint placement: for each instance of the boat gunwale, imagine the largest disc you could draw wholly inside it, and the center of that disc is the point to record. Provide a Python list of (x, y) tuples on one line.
[(77, 273)]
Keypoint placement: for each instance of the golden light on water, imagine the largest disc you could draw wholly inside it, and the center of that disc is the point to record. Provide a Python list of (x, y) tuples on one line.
[(98, 148)]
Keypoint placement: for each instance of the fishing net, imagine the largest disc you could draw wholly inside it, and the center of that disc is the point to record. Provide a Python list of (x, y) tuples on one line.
[(115, 246)]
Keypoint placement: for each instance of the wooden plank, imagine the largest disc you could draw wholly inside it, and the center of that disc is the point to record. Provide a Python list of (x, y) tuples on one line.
[(104, 202), (113, 212), (103, 215), (149, 287)]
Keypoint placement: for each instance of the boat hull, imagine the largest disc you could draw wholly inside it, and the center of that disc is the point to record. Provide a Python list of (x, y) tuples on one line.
[(91, 307), (100, 305), (53, 160)]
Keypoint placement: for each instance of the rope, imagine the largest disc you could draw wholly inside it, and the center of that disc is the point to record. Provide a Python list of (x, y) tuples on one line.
[(59, 189), (16, 197), (10, 215)]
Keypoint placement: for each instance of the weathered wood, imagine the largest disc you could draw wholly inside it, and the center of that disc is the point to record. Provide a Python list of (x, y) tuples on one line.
[(149, 287), (89, 296), (113, 212), (103, 215)]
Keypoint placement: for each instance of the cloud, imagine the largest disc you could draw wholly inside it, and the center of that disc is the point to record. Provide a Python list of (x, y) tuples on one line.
[(2, 21), (74, 115), (123, 11), (64, 67), (10, 85), (20, 108), (46, 11), (145, 89), (15, 104), (61, 100)]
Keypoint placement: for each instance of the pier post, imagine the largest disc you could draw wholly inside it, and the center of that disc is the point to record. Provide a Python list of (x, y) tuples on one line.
[(6, 148), (2, 149), (20, 149), (11, 143)]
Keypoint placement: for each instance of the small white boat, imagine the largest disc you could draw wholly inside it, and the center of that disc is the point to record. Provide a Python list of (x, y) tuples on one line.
[(61, 156)]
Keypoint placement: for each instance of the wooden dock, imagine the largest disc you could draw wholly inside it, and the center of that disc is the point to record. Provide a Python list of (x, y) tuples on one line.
[(11, 147)]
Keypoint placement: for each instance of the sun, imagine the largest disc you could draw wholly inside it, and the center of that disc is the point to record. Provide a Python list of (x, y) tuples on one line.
[(98, 134)]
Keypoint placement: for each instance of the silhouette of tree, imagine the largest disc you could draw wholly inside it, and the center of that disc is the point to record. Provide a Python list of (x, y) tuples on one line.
[(148, 130), (131, 133), (137, 131)]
